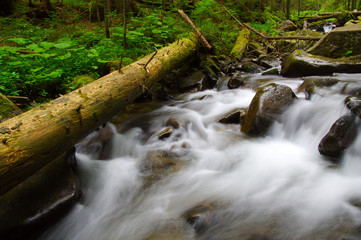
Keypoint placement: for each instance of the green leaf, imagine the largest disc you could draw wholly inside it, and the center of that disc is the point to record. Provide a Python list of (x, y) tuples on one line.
[(35, 47), (66, 56), (15, 63), (36, 69), (55, 74), (156, 31), (21, 41), (47, 45), (47, 55)]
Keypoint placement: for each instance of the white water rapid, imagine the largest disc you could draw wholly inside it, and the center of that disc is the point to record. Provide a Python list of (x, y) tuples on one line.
[(276, 187)]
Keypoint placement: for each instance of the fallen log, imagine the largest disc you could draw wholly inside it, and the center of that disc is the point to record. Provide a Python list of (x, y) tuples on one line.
[(311, 38), (199, 34), (33, 139), (323, 16)]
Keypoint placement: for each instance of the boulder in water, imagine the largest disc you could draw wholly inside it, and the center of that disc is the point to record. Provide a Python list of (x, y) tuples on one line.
[(159, 164), (340, 42), (202, 217), (251, 67), (309, 85), (266, 107), (234, 116), (235, 81), (341, 135), (300, 63), (354, 104)]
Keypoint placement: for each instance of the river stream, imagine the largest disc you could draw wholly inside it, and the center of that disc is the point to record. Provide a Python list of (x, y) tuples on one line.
[(276, 187)]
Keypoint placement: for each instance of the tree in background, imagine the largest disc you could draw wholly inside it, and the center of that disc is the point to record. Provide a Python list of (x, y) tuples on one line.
[(6, 7)]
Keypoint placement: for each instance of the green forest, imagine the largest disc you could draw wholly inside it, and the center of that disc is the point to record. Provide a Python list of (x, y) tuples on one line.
[(51, 47)]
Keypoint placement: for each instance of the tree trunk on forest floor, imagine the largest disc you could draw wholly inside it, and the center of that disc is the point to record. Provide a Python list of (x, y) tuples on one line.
[(199, 34), (33, 139), (273, 38)]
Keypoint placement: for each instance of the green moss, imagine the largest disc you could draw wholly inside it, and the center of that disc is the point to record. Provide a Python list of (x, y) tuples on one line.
[(241, 44), (7, 108)]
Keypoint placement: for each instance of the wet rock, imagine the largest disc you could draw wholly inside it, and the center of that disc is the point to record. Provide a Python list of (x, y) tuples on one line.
[(165, 133), (201, 217), (159, 164), (98, 144), (300, 63), (39, 201), (170, 231), (191, 81), (287, 26), (340, 42), (233, 117), (235, 81), (251, 67), (341, 135), (8, 109), (310, 84), (172, 122), (241, 44), (354, 104), (266, 107), (273, 71)]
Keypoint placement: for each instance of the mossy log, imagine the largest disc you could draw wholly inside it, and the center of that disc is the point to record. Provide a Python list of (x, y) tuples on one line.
[(241, 44), (7, 109), (31, 140)]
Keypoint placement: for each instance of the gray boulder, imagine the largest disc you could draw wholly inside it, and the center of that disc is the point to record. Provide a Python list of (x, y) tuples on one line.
[(266, 107), (300, 63), (340, 42)]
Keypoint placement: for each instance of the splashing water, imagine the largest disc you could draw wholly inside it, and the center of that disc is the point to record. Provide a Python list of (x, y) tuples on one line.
[(276, 187)]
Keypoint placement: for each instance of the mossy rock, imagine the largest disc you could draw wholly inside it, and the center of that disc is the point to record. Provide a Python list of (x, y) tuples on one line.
[(340, 42), (241, 44), (300, 63), (8, 109), (266, 107)]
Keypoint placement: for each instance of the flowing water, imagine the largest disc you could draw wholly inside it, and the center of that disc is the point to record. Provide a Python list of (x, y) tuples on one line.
[(276, 187)]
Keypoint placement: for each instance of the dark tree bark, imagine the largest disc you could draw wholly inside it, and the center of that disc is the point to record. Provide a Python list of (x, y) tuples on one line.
[(125, 24), (288, 6), (6, 7), (106, 17)]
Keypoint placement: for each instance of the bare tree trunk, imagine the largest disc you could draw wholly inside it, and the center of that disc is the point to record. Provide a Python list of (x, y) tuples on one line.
[(107, 16), (125, 24), (31, 140), (288, 6), (199, 34)]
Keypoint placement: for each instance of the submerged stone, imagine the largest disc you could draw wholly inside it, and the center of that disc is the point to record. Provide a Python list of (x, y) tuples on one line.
[(309, 85), (341, 135), (266, 107), (201, 217), (354, 104), (300, 63), (233, 117)]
